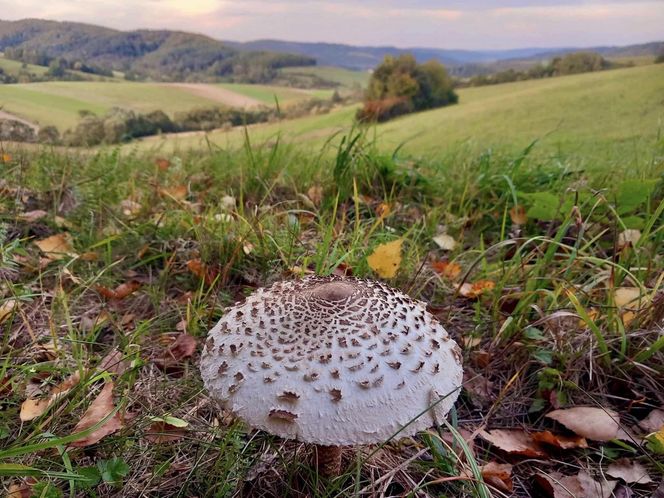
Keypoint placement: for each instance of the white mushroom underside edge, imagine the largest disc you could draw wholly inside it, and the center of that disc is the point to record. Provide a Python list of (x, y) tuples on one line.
[(332, 364)]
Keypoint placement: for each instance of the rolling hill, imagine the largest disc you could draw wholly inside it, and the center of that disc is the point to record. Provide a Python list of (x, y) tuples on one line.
[(594, 114), (159, 55)]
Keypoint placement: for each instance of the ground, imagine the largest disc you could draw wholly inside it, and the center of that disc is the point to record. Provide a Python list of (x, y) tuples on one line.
[(543, 259)]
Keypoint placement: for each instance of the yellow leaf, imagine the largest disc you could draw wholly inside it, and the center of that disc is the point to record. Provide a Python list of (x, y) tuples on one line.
[(629, 237), (7, 308), (56, 246), (386, 258), (518, 215), (630, 301), (32, 408)]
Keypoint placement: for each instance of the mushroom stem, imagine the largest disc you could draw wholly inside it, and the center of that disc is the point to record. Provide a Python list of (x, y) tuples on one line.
[(327, 460)]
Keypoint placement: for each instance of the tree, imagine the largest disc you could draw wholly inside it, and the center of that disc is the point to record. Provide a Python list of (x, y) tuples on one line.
[(400, 85)]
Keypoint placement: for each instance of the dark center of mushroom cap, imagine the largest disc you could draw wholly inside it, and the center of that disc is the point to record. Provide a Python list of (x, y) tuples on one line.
[(333, 291)]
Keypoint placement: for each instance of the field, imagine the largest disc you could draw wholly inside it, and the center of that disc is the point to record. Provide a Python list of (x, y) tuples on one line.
[(58, 103), (594, 115), (543, 260), (344, 77)]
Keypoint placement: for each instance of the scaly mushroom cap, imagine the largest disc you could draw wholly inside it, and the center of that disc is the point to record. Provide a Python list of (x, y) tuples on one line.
[(332, 361)]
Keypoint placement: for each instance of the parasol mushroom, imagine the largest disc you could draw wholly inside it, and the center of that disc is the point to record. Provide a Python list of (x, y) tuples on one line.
[(332, 361)]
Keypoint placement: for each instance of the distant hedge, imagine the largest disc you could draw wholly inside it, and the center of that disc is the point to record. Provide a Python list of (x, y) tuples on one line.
[(400, 85)]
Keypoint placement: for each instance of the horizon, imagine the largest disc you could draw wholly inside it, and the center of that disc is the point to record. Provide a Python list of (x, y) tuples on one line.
[(517, 24)]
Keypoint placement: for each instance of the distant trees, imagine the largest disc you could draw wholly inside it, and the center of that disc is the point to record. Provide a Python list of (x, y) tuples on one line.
[(400, 85), (572, 63), (659, 59)]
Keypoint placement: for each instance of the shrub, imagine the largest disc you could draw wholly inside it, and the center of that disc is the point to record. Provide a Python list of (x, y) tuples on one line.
[(15, 131), (400, 85), (48, 135)]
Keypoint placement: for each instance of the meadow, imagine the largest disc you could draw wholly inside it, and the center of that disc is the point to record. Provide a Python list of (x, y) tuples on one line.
[(530, 222)]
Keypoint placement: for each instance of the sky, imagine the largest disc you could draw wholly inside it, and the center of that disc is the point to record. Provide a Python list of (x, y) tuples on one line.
[(453, 24)]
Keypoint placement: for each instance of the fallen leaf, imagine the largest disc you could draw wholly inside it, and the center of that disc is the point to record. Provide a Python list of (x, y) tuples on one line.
[(560, 441), (514, 441), (120, 292), (32, 216), (448, 270), (114, 363), (32, 408), (518, 215), (629, 471), (383, 210), (629, 300), (445, 242), (652, 423), (98, 410), (56, 246), (628, 238), (386, 259), (6, 158), (7, 309), (315, 195), (476, 289), (179, 192), (498, 475), (593, 423), (183, 347), (166, 429), (162, 163), (23, 490), (581, 485), (247, 248), (655, 442), (201, 270)]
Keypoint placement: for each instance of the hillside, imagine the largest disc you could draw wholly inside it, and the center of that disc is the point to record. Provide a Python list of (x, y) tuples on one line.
[(589, 113), (158, 55), (459, 61)]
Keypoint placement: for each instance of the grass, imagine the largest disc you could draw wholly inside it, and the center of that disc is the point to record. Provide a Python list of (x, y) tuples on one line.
[(14, 67), (58, 103), (594, 115), (204, 228), (344, 77)]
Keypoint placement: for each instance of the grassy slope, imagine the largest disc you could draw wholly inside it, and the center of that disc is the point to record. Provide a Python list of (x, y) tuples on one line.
[(345, 77), (58, 103), (14, 67), (600, 114)]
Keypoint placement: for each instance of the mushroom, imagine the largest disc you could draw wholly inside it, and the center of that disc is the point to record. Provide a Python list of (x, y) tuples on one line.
[(332, 361)]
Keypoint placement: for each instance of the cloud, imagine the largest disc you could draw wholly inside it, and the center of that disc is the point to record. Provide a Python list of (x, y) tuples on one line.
[(459, 24)]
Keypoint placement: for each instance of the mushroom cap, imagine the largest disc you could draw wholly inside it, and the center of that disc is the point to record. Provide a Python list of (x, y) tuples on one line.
[(333, 361)]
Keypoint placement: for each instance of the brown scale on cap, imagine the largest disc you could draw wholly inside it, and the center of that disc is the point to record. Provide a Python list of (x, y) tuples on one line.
[(324, 336)]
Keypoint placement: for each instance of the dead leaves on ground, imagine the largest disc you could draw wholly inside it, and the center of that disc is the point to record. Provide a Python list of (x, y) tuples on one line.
[(182, 347), (120, 292), (32, 408), (57, 246), (598, 424), (101, 408), (514, 442), (557, 485)]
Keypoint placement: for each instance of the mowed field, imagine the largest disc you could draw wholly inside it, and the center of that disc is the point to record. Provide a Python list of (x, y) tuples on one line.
[(58, 103), (605, 115)]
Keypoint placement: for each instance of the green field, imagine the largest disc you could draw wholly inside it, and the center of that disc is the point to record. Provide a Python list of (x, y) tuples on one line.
[(344, 77), (14, 67), (602, 115), (58, 103)]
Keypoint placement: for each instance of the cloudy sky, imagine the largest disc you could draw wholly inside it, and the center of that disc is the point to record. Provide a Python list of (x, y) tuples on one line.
[(471, 24)]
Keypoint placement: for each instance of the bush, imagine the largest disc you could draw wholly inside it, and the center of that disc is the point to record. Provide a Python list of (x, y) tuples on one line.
[(15, 131), (48, 135), (400, 85)]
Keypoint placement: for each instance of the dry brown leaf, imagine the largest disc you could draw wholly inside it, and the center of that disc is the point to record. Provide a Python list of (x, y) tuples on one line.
[(179, 192), (201, 270), (120, 292), (32, 216), (162, 163), (383, 210), (515, 442), (32, 408), (628, 238), (445, 242), (56, 246), (23, 490), (498, 475), (581, 485), (114, 363), (162, 432), (315, 195), (590, 422), (476, 289), (652, 423), (98, 410), (629, 471), (518, 215), (560, 441), (386, 259), (183, 347), (446, 269), (7, 309)]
